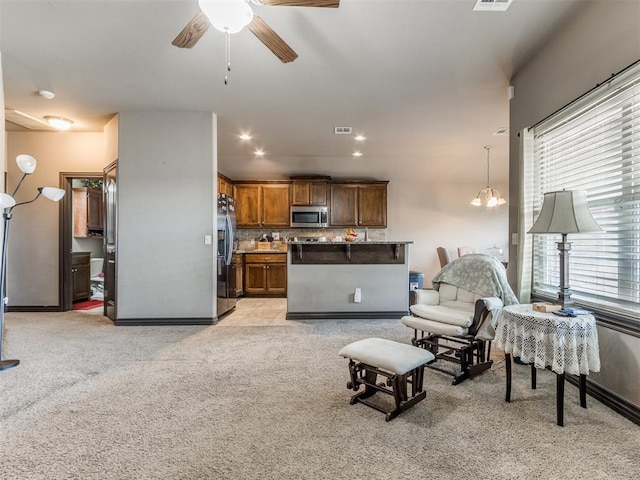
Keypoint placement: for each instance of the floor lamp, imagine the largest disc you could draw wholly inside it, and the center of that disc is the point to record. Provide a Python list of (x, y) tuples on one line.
[(565, 212), (27, 165)]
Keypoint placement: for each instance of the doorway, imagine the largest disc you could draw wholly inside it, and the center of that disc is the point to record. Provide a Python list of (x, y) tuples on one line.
[(81, 238)]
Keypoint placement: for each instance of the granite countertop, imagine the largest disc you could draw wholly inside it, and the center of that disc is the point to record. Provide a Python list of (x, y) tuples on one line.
[(357, 242), (240, 251)]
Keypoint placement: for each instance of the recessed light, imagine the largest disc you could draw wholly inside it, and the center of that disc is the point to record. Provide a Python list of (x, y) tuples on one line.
[(245, 136), (259, 152), (59, 123), (359, 138), (357, 154)]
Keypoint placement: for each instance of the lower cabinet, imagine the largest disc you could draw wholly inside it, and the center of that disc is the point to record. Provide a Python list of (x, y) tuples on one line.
[(81, 275), (265, 274), (238, 260)]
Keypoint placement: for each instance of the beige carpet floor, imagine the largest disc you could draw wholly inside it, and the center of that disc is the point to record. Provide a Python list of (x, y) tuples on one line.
[(268, 400)]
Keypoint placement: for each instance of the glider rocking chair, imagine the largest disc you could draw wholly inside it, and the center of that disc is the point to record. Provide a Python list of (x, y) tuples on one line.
[(455, 321)]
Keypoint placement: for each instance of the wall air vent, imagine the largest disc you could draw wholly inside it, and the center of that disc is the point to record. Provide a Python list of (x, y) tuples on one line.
[(492, 5), (26, 120), (342, 130)]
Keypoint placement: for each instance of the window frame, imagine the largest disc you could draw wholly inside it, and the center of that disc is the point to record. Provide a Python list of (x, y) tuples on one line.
[(616, 313)]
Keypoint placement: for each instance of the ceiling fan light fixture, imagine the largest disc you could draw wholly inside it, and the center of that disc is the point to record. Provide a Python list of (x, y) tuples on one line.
[(59, 123), (228, 16)]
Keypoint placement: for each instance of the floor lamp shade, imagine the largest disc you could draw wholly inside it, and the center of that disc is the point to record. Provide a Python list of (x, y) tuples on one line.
[(565, 212)]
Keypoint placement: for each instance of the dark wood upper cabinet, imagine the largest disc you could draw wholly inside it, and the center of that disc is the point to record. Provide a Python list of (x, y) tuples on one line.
[(359, 204), (261, 204), (225, 185), (87, 212), (309, 192)]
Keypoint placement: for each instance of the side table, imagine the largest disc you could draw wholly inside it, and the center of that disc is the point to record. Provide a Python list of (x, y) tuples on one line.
[(544, 340)]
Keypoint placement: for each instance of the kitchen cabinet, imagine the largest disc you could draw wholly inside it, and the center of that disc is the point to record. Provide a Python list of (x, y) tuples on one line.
[(265, 274), (80, 275), (87, 212), (225, 185), (309, 191), (358, 204), (238, 260), (262, 204)]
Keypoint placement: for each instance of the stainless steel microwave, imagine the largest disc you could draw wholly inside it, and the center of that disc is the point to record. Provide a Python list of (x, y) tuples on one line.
[(309, 217)]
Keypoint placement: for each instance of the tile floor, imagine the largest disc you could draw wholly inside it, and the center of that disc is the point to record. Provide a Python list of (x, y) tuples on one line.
[(252, 312), (249, 312)]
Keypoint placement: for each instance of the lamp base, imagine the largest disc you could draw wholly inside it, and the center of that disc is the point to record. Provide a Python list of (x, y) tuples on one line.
[(7, 364)]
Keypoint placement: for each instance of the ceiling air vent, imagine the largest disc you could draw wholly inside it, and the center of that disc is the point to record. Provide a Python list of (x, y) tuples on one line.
[(492, 5), (342, 130)]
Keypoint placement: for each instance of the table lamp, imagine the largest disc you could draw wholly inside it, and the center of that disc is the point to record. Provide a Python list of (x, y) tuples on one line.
[(565, 212)]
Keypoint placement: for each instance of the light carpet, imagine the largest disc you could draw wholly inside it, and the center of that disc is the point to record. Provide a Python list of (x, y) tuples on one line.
[(94, 401)]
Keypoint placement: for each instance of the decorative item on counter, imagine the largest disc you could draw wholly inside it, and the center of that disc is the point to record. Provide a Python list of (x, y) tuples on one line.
[(350, 235), (264, 242), (495, 251)]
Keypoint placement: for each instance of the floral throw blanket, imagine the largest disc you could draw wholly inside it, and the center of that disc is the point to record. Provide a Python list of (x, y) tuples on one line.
[(479, 273)]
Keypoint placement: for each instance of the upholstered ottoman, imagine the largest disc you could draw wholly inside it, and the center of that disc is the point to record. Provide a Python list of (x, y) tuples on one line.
[(400, 363)]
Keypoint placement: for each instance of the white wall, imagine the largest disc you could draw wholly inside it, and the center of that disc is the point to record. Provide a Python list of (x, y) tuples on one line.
[(601, 40), (166, 205), (32, 265), (439, 215)]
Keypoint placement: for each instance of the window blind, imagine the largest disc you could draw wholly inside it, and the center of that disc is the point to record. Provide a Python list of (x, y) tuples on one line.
[(594, 145)]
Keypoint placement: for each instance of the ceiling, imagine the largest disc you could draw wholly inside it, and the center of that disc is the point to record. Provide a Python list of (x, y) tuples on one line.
[(425, 80)]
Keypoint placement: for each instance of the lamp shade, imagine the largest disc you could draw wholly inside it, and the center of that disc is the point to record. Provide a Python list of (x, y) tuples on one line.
[(229, 16), (26, 163), (565, 212), (52, 193), (6, 201)]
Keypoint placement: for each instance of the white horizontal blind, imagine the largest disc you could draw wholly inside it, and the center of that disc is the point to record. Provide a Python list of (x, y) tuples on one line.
[(594, 145)]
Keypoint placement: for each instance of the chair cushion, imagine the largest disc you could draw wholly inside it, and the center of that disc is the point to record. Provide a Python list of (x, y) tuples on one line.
[(437, 328), (440, 313)]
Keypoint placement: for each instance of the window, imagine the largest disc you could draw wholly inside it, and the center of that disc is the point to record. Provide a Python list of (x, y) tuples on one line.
[(594, 145)]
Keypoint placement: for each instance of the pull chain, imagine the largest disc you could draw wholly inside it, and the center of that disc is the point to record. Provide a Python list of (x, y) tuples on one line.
[(227, 54)]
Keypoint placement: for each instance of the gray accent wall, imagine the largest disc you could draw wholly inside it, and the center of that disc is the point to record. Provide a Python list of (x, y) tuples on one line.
[(601, 40), (166, 197)]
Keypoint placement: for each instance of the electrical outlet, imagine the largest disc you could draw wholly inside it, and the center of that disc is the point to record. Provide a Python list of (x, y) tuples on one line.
[(357, 295)]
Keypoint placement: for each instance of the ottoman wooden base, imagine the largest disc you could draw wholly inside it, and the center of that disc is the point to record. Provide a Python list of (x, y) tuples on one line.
[(399, 363)]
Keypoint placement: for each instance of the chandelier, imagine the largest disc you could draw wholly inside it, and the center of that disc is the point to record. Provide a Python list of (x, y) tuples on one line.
[(491, 196)]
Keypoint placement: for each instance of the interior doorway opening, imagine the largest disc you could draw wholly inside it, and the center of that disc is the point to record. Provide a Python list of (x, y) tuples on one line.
[(81, 238)]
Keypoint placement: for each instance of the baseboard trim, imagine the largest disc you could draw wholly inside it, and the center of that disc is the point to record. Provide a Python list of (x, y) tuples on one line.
[(610, 399), (34, 308), (149, 322), (345, 315)]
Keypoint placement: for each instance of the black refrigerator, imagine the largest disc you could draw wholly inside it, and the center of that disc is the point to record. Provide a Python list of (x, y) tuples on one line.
[(226, 284)]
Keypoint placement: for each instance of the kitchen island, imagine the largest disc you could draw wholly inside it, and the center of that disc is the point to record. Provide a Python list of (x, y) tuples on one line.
[(340, 280)]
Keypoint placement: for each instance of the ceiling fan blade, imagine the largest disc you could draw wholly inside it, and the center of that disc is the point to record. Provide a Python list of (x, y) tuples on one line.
[(303, 3), (192, 32), (272, 40)]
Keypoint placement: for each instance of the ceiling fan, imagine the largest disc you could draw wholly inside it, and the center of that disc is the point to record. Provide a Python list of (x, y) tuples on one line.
[(230, 16)]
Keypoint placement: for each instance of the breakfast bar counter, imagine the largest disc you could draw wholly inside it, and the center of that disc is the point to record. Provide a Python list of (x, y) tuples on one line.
[(336, 280)]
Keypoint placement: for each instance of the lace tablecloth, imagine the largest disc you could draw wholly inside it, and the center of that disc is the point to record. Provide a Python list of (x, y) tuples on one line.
[(566, 344)]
